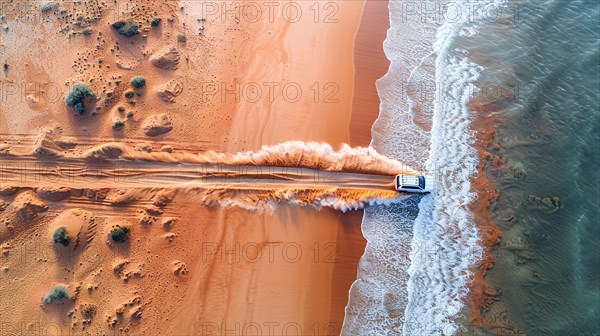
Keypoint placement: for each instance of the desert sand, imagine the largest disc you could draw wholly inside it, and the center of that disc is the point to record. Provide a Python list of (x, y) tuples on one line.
[(223, 77)]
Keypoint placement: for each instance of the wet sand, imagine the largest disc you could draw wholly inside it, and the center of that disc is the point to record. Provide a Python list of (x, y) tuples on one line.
[(370, 65)]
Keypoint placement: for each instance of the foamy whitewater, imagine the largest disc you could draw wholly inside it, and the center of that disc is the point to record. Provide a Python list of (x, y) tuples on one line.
[(414, 274), (445, 240)]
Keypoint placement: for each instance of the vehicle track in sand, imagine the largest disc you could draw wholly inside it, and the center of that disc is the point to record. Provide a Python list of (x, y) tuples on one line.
[(295, 172), (35, 172)]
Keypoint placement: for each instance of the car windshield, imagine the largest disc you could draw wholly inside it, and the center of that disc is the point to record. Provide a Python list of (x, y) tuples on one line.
[(422, 182)]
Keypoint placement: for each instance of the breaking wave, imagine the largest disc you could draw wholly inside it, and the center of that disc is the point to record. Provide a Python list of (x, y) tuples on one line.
[(414, 275), (446, 243)]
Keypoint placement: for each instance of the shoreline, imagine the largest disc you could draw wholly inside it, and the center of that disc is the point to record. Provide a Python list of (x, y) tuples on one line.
[(370, 64)]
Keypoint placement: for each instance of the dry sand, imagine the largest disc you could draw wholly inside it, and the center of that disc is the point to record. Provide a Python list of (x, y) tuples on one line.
[(235, 84)]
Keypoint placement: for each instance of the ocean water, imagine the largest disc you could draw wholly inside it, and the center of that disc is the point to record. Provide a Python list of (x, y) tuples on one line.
[(548, 131), (533, 65)]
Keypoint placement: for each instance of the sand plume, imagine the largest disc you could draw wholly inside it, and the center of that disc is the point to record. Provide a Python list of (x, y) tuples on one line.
[(301, 154), (295, 172)]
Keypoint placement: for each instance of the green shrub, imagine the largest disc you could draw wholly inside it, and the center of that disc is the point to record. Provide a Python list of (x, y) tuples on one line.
[(119, 234), (129, 94), (138, 81), (59, 236), (77, 97), (155, 22), (118, 124), (50, 6), (58, 292), (181, 38), (126, 28)]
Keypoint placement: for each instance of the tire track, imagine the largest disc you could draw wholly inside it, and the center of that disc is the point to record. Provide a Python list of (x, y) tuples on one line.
[(30, 171)]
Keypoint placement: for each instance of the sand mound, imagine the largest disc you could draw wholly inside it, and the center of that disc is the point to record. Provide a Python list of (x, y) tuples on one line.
[(164, 197), (4, 149), (168, 222), (169, 91), (28, 205), (45, 144), (122, 197), (131, 309), (104, 152), (125, 269), (166, 58), (157, 124), (7, 191), (179, 267), (80, 225), (53, 193), (66, 143)]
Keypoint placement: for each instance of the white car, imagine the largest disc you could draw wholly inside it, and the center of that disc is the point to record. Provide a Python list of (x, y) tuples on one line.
[(414, 183)]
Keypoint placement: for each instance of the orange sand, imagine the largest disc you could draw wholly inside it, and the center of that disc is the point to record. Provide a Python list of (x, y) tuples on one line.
[(310, 293), (187, 269), (370, 64)]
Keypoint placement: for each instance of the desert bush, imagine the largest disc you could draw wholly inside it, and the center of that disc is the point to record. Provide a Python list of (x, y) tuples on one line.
[(76, 98), (87, 311), (49, 6), (138, 81), (118, 124), (126, 28), (155, 22), (119, 234), (59, 236), (181, 38), (58, 292), (129, 94)]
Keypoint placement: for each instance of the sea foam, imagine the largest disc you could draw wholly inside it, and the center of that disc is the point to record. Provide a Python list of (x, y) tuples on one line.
[(446, 244), (414, 275), (378, 297)]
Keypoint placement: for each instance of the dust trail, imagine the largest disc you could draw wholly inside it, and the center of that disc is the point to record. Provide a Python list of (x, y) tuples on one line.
[(313, 155), (305, 174)]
